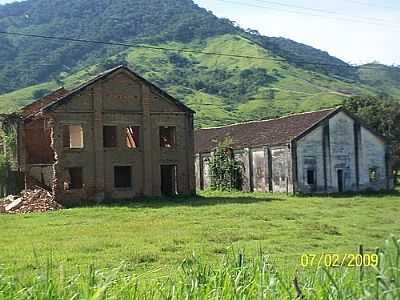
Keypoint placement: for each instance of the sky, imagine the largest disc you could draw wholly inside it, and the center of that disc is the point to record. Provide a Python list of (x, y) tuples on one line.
[(356, 31)]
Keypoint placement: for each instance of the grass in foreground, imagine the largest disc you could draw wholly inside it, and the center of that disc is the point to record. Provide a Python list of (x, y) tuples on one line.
[(160, 233), (235, 277)]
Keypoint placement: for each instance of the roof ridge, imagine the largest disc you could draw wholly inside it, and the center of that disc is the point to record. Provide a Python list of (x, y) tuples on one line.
[(93, 79), (273, 119), (104, 74)]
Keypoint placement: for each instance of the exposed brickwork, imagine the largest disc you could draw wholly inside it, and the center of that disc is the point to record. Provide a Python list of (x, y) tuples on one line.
[(118, 98), (38, 142)]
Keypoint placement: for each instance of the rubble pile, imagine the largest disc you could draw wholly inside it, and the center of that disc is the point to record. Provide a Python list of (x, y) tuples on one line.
[(35, 200)]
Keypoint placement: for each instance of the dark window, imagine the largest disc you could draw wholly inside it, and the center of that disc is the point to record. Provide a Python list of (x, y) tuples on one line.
[(340, 181), (73, 136), (310, 177), (373, 175), (167, 137), (109, 136), (132, 137), (74, 179), (122, 177)]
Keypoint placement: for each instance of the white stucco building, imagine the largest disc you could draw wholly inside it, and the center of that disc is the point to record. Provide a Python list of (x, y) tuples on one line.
[(326, 151)]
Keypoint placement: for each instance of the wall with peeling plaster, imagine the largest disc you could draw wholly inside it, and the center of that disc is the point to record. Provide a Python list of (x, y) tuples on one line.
[(338, 144), (281, 170), (341, 145), (259, 170), (371, 157)]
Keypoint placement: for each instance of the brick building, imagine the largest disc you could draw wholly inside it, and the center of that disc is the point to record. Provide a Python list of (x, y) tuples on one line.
[(325, 151), (117, 136)]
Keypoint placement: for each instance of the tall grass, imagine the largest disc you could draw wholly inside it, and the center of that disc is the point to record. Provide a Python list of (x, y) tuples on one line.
[(235, 277)]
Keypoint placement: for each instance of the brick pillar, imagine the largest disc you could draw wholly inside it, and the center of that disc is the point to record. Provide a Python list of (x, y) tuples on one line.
[(294, 165), (97, 99), (198, 170), (191, 178), (269, 168), (290, 170), (58, 168), (247, 178), (21, 150), (147, 143), (390, 179)]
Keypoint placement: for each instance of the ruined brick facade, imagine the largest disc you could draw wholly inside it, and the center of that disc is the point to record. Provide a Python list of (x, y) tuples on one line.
[(116, 137), (326, 151)]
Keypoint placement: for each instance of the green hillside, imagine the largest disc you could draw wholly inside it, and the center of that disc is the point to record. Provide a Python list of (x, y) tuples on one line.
[(384, 78), (220, 89), (292, 77), (30, 61)]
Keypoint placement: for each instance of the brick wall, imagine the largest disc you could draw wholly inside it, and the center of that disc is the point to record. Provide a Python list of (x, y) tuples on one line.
[(121, 100)]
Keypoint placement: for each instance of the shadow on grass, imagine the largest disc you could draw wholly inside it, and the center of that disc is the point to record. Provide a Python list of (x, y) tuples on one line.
[(241, 198), (193, 201), (366, 194)]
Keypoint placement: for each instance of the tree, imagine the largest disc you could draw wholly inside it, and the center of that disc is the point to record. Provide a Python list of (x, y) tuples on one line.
[(383, 115), (225, 171)]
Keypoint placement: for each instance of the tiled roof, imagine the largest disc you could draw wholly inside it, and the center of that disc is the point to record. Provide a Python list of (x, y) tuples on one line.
[(37, 105), (260, 133)]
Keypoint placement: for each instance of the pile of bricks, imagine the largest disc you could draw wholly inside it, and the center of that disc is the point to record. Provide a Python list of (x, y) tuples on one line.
[(36, 200)]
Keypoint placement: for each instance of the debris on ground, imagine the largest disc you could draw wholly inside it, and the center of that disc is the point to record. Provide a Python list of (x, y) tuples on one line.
[(35, 200)]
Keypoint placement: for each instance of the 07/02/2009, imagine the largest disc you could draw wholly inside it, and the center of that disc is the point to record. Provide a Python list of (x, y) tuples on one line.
[(337, 260)]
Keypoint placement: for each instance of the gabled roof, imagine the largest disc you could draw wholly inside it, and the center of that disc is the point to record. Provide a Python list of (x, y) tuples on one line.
[(104, 75), (261, 133)]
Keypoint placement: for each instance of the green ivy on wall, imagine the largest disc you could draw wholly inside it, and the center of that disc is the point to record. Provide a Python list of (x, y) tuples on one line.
[(226, 174)]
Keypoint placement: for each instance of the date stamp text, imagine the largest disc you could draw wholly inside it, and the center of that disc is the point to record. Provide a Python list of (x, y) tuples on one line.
[(339, 260)]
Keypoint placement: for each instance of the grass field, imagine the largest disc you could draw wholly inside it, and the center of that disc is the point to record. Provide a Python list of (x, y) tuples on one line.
[(152, 234), (236, 276)]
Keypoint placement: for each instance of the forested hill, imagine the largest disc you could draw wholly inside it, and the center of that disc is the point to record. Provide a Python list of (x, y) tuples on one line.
[(292, 76), (30, 61)]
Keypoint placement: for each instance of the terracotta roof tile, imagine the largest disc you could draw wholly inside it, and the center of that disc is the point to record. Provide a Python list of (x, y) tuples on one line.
[(259, 133), (37, 105)]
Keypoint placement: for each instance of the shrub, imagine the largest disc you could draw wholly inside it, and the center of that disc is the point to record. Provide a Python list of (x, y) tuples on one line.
[(225, 171)]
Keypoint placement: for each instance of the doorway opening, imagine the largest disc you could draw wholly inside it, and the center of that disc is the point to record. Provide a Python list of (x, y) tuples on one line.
[(340, 180), (168, 180)]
